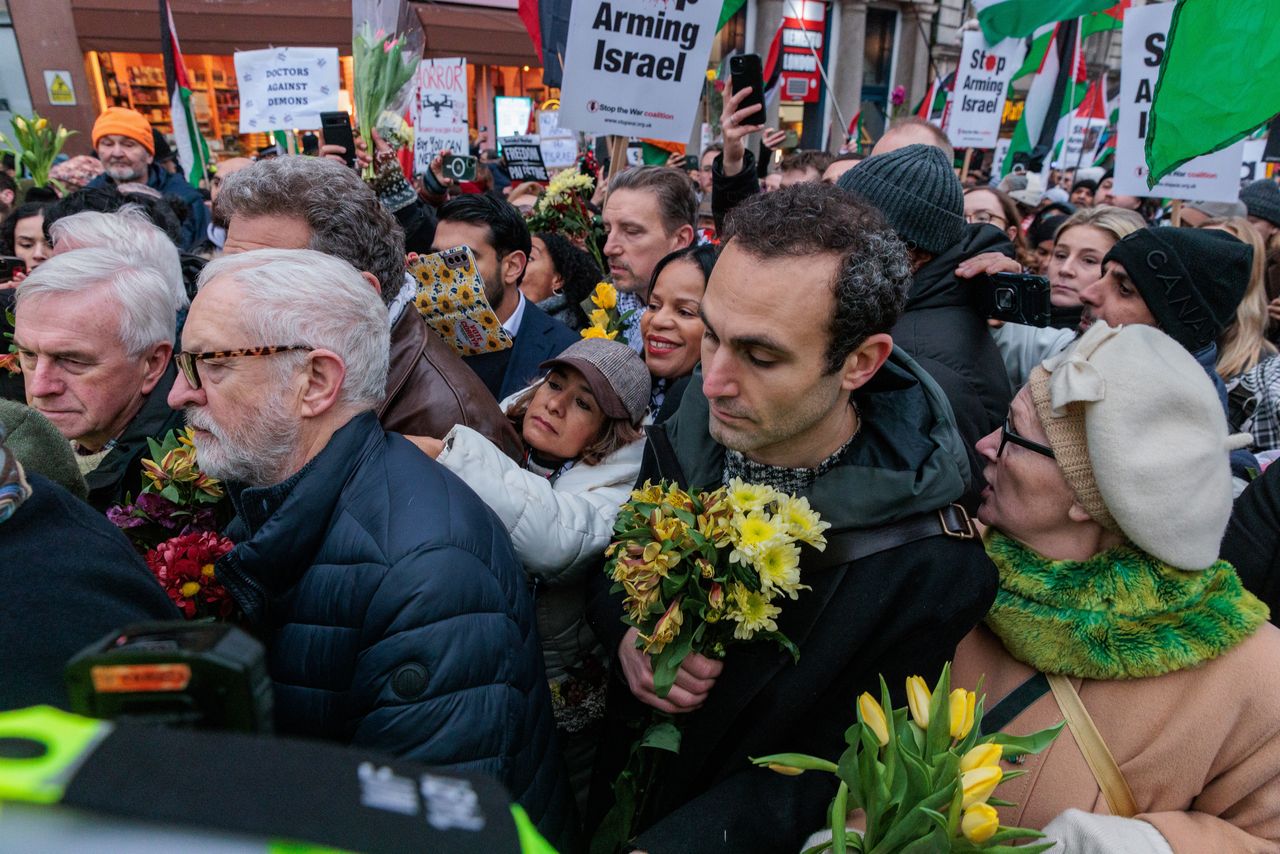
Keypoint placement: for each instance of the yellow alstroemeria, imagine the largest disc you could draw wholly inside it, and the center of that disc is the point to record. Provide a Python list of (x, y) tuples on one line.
[(979, 783), (980, 756), (962, 705), (918, 699), (668, 626), (873, 716), (980, 823), (605, 296)]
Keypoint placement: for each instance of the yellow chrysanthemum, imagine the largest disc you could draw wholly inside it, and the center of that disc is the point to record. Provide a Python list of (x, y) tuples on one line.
[(752, 613), (779, 568), (752, 533), (802, 521), (748, 496)]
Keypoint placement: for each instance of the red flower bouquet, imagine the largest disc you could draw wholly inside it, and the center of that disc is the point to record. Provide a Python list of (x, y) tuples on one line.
[(184, 567)]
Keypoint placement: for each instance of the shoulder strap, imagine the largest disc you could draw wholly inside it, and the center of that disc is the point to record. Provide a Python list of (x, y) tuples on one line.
[(1014, 703), (665, 455), (848, 546), (1103, 765)]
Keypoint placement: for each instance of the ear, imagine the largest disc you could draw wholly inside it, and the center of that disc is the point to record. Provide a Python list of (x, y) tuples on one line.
[(322, 378), (373, 282), (683, 237), (6, 197), (861, 365), (1077, 513), (513, 267), (154, 364), (557, 283)]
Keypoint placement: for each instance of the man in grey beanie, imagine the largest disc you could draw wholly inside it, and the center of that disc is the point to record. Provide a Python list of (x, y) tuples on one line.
[(1261, 199), (918, 193)]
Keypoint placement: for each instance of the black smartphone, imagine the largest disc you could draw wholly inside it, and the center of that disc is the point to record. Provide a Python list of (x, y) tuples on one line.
[(336, 128), (9, 265), (745, 70), (1014, 298), (310, 144), (459, 167)]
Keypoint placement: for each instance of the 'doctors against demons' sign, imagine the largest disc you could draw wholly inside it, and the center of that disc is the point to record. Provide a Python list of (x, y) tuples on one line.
[(286, 87), (636, 67)]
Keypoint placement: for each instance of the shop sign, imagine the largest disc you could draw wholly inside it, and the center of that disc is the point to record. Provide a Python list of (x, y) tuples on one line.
[(803, 33), (976, 106), (523, 155), (59, 88), (559, 146), (636, 67), (439, 111), (1210, 177), (282, 88)]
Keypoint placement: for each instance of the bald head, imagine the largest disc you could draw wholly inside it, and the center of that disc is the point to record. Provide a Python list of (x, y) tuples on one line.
[(913, 130)]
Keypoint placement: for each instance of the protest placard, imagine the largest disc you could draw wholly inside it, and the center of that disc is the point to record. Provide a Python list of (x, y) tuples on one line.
[(1254, 163), (635, 67), (282, 88), (974, 110), (559, 146), (524, 157), (1211, 177), (439, 110)]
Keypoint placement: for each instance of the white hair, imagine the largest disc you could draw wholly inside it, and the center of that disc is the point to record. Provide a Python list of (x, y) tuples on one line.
[(146, 308), (129, 233), (302, 297)]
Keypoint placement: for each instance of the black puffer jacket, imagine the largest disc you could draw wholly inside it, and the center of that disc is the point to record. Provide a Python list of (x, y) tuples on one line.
[(944, 332), (397, 617)]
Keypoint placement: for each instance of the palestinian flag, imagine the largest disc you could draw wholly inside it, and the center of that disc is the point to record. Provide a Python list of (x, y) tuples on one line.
[(934, 104), (773, 62), (1055, 93), (1017, 19), (1107, 19), (728, 10), (1089, 120), (193, 152), (547, 22), (1107, 142)]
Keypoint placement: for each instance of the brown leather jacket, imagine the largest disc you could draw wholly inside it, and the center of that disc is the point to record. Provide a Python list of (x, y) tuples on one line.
[(430, 389)]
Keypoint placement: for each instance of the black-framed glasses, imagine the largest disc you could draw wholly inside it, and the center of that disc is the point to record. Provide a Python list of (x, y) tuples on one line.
[(1007, 435), (187, 362)]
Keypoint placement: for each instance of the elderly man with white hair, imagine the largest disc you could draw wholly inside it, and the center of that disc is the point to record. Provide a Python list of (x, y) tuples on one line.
[(95, 334), (395, 612)]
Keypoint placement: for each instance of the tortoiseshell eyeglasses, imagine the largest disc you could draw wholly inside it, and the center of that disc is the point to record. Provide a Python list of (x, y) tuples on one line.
[(187, 361)]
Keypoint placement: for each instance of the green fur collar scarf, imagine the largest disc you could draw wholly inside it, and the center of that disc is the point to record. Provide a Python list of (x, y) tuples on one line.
[(1122, 614)]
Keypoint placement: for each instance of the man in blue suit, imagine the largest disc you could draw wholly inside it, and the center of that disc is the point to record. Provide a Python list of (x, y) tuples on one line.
[(500, 241)]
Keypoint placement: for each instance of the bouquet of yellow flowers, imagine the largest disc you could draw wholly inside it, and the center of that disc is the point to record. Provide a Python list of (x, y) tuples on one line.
[(699, 571), (563, 208), (37, 144), (602, 310), (922, 776)]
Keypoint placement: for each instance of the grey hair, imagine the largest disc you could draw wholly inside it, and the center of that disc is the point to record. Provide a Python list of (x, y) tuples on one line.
[(129, 233), (146, 300), (302, 297), (344, 215), (677, 204), (871, 282)]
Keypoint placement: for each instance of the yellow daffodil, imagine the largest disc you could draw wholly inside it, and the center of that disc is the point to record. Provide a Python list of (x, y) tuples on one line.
[(600, 318), (752, 612), (918, 698), (872, 714), (981, 756), (961, 705), (779, 568), (979, 783), (604, 296), (980, 823)]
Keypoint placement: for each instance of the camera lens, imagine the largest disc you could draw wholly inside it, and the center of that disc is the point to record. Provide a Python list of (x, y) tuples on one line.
[(1006, 300)]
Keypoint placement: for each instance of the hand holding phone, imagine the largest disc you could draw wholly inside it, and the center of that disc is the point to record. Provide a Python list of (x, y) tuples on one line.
[(11, 265), (745, 71), (1014, 297), (459, 167), (336, 128)]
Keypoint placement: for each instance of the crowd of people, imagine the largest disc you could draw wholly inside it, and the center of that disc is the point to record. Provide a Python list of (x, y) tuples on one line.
[(419, 535)]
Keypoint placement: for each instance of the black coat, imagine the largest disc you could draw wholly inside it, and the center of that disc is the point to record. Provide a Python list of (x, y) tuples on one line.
[(1252, 541), (943, 330), (397, 617), (899, 612), (68, 577)]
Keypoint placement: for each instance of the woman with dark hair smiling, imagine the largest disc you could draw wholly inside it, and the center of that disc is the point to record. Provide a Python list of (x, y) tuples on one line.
[(671, 326)]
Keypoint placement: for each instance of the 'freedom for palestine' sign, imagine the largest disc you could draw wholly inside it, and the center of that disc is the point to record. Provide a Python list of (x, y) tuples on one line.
[(636, 67)]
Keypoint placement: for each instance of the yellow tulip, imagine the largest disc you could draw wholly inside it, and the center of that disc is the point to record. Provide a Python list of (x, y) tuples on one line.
[(787, 770), (980, 823), (962, 706), (20, 123), (918, 698), (981, 755), (604, 296), (873, 716), (979, 783), (41, 124)]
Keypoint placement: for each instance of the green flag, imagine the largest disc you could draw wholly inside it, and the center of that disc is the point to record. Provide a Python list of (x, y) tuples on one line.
[(1217, 82), (1017, 19), (728, 10)]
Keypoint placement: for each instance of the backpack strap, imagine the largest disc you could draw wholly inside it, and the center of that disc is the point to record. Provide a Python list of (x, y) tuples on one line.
[(849, 546), (669, 467)]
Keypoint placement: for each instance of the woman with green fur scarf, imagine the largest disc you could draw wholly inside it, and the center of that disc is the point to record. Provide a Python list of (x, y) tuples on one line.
[(1108, 495)]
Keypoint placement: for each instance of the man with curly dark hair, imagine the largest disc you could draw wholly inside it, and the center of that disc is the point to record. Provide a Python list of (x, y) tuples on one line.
[(802, 388)]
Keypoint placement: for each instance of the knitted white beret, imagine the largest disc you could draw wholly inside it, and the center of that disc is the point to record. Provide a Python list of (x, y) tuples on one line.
[(1155, 435)]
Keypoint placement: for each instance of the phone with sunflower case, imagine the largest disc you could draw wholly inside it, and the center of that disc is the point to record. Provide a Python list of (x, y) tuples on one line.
[(451, 299)]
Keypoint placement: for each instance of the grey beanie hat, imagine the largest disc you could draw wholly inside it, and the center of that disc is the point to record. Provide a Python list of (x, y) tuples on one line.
[(1215, 210), (1262, 199), (917, 191), (616, 373)]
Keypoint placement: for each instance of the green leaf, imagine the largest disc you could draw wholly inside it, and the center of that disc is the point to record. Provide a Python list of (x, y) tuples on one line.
[(667, 662), (1006, 834), (1018, 745), (939, 735), (797, 760), (663, 735), (839, 816)]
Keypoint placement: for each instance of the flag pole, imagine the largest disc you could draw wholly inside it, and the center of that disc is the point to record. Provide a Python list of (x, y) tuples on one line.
[(1080, 153), (964, 170), (822, 70)]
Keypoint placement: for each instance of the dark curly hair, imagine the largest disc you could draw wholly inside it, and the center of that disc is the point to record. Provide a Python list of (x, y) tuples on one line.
[(576, 266), (10, 225), (871, 282)]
